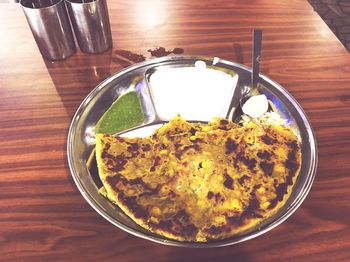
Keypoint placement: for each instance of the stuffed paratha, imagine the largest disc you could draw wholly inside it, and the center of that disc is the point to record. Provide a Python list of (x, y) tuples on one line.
[(200, 182)]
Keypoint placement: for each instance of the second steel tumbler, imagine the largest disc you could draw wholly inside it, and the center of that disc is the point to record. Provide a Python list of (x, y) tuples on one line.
[(91, 24)]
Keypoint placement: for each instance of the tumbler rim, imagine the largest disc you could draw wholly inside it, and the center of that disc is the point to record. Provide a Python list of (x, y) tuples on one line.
[(22, 3)]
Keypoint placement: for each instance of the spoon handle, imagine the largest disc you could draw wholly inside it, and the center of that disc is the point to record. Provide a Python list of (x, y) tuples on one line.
[(257, 36)]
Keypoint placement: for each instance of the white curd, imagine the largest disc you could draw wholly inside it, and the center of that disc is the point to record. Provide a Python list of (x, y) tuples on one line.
[(197, 93)]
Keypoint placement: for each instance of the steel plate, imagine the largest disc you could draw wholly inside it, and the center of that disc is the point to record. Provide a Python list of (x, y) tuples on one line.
[(80, 144)]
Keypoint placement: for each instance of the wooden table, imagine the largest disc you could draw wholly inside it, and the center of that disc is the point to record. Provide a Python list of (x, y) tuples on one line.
[(42, 214)]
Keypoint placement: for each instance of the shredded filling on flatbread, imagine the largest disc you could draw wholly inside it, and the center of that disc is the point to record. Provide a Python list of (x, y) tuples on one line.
[(200, 182)]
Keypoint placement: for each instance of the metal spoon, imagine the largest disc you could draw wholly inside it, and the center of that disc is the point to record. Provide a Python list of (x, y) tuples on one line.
[(257, 36), (248, 91)]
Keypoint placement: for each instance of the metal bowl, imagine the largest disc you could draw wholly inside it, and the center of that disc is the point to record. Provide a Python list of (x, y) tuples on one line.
[(80, 144)]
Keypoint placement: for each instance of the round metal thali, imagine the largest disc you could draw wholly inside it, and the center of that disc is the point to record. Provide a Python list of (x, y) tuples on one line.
[(80, 144)]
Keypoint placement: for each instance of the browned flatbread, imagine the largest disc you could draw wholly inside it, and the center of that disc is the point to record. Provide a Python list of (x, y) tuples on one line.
[(197, 182)]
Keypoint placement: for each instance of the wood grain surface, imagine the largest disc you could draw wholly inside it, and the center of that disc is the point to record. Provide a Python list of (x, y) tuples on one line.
[(43, 217)]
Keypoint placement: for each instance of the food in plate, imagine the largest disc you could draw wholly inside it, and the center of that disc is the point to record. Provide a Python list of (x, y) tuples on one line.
[(196, 82), (124, 113), (200, 182)]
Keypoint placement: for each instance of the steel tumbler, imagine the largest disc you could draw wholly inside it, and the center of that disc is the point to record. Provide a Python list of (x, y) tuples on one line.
[(49, 23), (91, 24)]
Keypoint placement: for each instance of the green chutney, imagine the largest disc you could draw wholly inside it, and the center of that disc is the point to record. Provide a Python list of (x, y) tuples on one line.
[(126, 112)]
